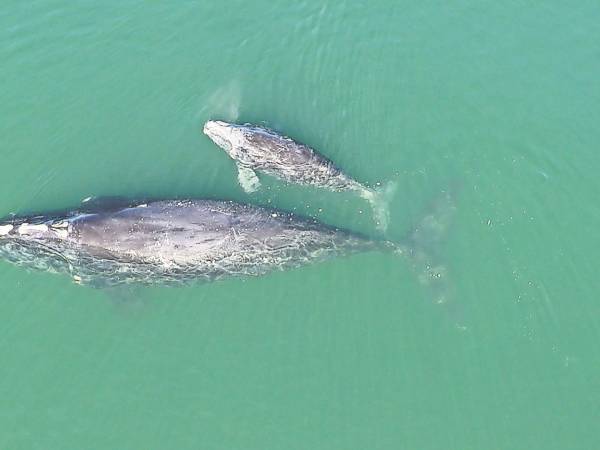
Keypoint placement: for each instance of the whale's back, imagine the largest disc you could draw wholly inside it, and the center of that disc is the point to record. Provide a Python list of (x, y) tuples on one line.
[(174, 241)]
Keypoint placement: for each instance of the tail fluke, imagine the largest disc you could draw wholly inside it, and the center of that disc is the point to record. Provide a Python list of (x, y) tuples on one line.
[(422, 247), (380, 199)]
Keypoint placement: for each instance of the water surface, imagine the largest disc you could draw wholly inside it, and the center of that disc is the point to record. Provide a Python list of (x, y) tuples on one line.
[(504, 98)]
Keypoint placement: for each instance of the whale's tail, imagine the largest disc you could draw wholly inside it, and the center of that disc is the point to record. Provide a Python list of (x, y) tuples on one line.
[(422, 247), (379, 199)]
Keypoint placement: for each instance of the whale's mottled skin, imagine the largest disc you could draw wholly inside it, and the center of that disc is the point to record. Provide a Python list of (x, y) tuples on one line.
[(258, 149), (172, 241)]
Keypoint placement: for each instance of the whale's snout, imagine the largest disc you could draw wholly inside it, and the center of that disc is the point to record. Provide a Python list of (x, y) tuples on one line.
[(221, 133), (214, 127)]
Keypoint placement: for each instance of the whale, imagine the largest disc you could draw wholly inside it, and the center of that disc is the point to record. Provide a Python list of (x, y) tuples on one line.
[(172, 241), (259, 149), (111, 242)]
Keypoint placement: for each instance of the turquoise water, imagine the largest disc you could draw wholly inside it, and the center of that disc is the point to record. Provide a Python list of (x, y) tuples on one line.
[(502, 98)]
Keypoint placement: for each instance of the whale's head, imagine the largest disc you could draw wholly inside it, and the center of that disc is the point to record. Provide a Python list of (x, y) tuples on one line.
[(230, 137), (36, 242)]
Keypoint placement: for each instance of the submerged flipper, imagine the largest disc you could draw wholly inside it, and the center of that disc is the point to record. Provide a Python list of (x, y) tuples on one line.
[(127, 299), (248, 179)]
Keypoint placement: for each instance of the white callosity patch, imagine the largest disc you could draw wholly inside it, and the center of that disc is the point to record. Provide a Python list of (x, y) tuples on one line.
[(227, 136), (63, 224), (62, 233), (61, 229), (5, 229), (26, 228)]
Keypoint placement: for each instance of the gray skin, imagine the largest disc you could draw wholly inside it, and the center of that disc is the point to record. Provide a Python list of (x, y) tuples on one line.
[(255, 148), (172, 242)]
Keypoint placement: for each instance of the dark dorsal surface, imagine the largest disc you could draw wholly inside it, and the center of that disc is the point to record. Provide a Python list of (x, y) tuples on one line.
[(283, 157), (174, 241)]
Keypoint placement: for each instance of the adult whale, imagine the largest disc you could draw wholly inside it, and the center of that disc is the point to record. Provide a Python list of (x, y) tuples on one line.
[(255, 148), (109, 242), (172, 241)]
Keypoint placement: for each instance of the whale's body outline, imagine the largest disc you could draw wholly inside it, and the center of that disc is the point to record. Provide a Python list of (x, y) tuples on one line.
[(173, 242), (259, 149)]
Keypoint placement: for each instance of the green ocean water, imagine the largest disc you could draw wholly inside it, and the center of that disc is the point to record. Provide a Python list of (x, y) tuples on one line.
[(501, 98)]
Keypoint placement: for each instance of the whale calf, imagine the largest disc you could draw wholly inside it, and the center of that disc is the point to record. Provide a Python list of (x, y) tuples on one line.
[(172, 242), (258, 149)]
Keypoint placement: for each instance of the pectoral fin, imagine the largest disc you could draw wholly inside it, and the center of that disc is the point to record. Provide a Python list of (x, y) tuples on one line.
[(248, 179)]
